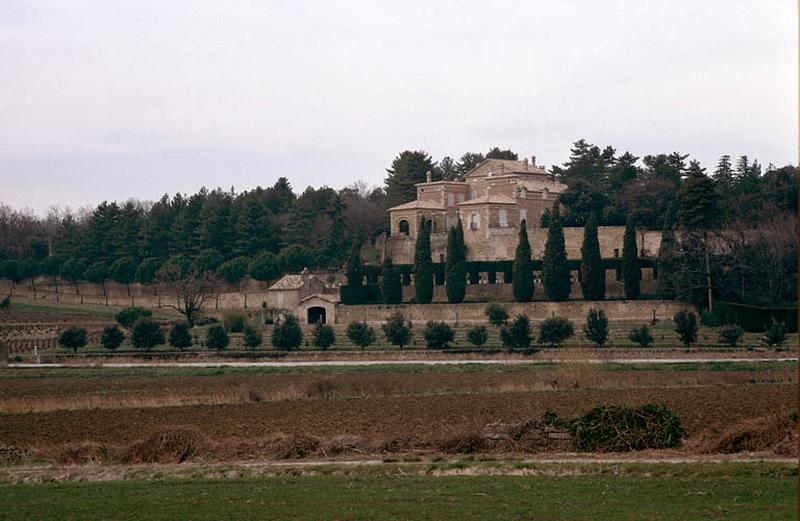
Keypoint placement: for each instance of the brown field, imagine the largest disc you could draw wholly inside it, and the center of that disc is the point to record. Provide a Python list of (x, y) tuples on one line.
[(245, 411)]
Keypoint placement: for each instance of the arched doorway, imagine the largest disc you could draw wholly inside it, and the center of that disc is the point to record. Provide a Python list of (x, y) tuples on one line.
[(317, 314)]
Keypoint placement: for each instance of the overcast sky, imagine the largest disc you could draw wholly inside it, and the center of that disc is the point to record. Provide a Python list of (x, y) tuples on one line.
[(117, 99)]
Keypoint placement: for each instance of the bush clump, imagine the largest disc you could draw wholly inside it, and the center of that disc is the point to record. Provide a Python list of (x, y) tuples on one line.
[(730, 335), (517, 335), (616, 428), (554, 331), (179, 336), (596, 329), (128, 316), (686, 327), (360, 334), (72, 338), (5, 303), (287, 335), (397, 330), (217, 338), (438, 335), (478, 336), (147, 334), (324, 336), (235, 322), (775, 335), (112, 337), (496, 314), (641, 336), (252, 338)]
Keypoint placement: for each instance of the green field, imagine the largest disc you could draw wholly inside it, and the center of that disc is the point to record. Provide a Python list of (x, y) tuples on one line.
[(634, 492)]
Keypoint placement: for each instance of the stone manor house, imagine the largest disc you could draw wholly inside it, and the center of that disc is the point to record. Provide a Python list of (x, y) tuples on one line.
[(491, 202)]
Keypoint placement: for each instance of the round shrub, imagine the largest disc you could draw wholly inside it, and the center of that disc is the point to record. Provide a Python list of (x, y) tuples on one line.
[(112, 337), (72, 338), (438, 335), (235, 322), (517, 335), (775, 335), (128, 316), (179, 336), (217, 338), (554, 331), (324, 336), (730, 335), (147, 334), (397, 330), (252, 338), (596, 329), (478, 336), (686, 326), (286, 334), (496, 314), (360, 334), (641, 336)]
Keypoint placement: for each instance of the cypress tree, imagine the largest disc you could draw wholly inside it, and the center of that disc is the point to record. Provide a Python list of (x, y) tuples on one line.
[(391, 288), (423, 266), (522, 276), (456, 265), (593, 276), (630, 262), (354, 269), (555, 270), (669, 257)]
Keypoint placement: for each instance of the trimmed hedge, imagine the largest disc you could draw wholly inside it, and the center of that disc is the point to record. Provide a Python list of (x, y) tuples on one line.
[(369, 294), (755, 319)]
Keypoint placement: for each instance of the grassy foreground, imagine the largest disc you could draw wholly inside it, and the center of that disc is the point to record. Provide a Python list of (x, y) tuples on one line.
[(730, 491)]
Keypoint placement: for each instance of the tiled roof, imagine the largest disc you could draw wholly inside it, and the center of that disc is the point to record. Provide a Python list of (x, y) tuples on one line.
[(509, 166), (289, 282), (419, 205)]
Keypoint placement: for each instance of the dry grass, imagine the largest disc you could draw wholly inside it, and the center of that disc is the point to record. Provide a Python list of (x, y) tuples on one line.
[(776, 434)]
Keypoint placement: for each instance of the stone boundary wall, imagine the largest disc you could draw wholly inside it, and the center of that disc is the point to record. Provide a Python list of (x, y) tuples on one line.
[(616, 310)]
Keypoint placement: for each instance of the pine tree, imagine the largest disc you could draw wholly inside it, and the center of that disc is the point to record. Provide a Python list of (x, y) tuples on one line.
[(593, 275), (391, 287), (669, 254), (522, 276), (456, 265), (423, 266), (408, 169), (555, 270), (631, 271)]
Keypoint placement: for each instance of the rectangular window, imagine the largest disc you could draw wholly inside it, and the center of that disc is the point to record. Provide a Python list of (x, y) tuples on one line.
[(451, 199)]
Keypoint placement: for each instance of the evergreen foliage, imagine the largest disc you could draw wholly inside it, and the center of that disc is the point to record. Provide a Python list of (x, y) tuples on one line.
[(408, 169), (641, 336), (477, 336), (147, 334), (265, 267), (397, 330), (72, 338), (593, 274), (391, 285), (775, 335), (234, 270), (128, 316), (360, 334), (286, 334), (596, 329), (555, 269), (423, 266), (631, 272), (112, 337), (730, 335), (456, 265), (496, 314), (554, 331), (324, 336), (252, 337), (354, 269), (217, 338), (669, 258), (438, 335), (123, 271), (522, 274), (517, 335), (179, 336), (686, 327)]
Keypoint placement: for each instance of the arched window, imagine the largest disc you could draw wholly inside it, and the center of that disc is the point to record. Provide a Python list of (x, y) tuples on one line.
[(402, 227), (503, 218), (474, 222)]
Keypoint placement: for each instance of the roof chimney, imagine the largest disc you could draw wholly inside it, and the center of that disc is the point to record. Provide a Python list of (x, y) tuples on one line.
[(533, 160), (526, 163), (428, 176)]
